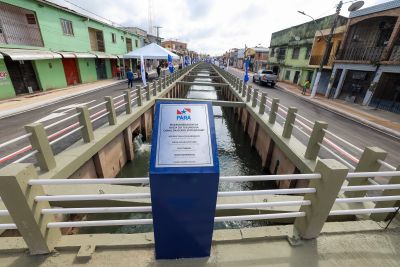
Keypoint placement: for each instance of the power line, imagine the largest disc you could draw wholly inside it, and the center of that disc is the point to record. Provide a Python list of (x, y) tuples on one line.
[(90, 12)]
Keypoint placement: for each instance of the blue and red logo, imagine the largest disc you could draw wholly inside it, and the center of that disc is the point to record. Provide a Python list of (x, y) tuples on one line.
[(183, 114)]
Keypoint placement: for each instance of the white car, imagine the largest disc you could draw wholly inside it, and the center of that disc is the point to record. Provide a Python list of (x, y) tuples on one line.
[(265, 77)]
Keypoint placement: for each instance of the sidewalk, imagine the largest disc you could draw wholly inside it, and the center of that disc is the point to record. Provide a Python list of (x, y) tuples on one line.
[(383, 121), (27, 102)]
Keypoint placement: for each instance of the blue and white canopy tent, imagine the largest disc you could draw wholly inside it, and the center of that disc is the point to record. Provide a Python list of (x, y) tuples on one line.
[(151, 51)]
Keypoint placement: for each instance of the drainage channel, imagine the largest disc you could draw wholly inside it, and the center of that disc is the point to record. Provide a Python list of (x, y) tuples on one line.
[(236, 157)]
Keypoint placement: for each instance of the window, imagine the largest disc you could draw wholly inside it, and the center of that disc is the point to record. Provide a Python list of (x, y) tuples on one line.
[(308, 52), (66, 26), (136, 43), (129, 45), (122, 37), (295, 53), (272, 52), (281, 53), (113, 38), (287, 75), (30, 18)]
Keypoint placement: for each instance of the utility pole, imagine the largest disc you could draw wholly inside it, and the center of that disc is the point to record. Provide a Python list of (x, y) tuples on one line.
[(327, 50), (158, 32)]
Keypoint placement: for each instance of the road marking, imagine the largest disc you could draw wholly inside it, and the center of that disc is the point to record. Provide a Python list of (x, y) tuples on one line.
[(64, 110)]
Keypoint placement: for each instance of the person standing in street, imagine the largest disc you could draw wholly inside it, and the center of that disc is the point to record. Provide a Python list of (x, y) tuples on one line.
[(159, 70), (129, 75), (306, 86)]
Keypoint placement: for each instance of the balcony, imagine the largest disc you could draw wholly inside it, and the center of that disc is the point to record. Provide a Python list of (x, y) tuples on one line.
[(370, 54), (315, 60)]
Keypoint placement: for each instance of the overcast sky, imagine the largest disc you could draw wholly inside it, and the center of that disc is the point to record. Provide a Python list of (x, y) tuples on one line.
[(213, 26)]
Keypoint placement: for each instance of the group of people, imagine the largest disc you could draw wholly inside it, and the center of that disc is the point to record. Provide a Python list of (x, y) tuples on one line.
[(130, 75)]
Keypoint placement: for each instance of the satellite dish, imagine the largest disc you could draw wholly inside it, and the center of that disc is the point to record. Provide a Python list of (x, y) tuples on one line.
[(355, 6)]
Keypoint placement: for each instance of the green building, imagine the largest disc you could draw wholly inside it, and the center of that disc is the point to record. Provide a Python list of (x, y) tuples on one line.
[(44, 46), (290, 50)]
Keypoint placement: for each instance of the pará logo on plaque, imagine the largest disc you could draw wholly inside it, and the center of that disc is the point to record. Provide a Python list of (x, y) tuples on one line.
[(183, 114), (184, 136)]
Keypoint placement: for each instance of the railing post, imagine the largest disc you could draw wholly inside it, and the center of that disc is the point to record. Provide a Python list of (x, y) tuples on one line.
[(388, 204), (148, 95), (263, 102), (84, 120), (112, 116), (367, 163), (316, 137), (164, 82), (159, 85), (154, 88), (333, 173), (139, 95), (255, 98), (39, 142), (244, 90), (19, 198), (288, 126), (240, 86), (274, 109), (128, 101), (248, 95)]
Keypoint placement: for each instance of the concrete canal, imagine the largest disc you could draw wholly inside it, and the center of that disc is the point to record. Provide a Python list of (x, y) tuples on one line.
[(236, 157)]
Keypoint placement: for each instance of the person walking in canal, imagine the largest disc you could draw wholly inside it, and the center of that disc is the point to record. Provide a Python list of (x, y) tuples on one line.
[(306, 86), (129, 75)]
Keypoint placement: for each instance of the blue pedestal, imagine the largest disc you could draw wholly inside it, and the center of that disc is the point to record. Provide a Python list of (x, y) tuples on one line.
[(184, 177)]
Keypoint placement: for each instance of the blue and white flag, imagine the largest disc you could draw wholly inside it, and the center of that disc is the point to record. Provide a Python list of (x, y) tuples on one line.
[(170, 65), (143, 71), (186, 61), (246, 71)]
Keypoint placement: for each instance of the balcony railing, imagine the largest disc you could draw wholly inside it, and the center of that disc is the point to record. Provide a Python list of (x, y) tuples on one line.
[(395, 56), (362, 53)]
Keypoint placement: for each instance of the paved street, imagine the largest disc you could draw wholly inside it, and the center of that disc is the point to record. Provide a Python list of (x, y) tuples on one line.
[(356, 133)]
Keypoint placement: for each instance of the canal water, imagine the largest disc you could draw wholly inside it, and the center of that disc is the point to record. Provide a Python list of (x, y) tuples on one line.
[(236, 157)]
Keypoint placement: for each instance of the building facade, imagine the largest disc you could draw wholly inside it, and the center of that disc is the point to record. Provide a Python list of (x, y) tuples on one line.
[(317, 54), (44, 46), (290, 50), (179, 48), (367, 68)]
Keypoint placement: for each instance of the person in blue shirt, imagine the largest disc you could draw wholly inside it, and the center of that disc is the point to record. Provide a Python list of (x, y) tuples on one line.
[(129, 75)]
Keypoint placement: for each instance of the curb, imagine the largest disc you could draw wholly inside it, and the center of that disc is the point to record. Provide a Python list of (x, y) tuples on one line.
[(367, 123), (31, 107)]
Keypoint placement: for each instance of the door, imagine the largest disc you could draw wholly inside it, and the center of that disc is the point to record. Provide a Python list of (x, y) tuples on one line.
[(101, 69), (296, 77), (71, 71), (114, 65), (22, 75)]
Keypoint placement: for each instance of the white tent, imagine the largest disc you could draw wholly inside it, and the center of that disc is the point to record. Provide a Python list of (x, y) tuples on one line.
[(151, 51)]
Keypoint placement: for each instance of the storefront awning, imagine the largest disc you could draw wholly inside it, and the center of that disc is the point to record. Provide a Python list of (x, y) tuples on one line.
[(25, 54), (84, 55), (1, 56), (103, 55), (67, 54)]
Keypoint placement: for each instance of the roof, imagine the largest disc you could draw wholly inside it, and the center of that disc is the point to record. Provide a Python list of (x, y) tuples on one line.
[(151, 51), (375, 9), (260, 49)]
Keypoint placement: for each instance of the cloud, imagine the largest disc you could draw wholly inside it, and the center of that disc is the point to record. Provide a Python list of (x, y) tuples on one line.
[(212, 26)]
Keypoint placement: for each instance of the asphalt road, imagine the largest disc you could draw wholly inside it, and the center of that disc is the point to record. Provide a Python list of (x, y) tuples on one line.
[(356, 133)]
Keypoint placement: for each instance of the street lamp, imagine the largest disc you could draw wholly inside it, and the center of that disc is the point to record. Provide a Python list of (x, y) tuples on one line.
[(353, 7)]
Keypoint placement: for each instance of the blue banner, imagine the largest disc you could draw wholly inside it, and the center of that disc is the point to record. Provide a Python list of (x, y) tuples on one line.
[(246, 71), (170, 65)]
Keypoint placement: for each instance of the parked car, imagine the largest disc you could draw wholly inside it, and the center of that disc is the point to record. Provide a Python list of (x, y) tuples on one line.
[(265, 77)]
